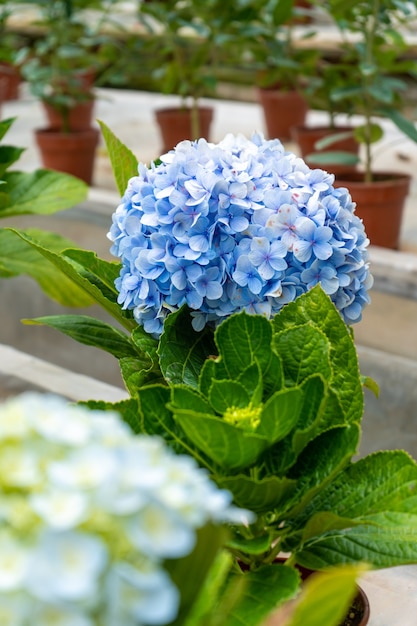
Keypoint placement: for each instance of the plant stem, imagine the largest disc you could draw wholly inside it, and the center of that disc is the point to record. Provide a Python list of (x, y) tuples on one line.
[(369, 35)]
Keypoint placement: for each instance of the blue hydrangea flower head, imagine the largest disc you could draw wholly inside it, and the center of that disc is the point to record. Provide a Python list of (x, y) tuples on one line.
[(242, 224)]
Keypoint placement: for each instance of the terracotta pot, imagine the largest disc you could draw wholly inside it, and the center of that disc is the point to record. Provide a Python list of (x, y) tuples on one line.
[(379, 204), (9, 82), (73, 153), (307, 136), (282, 110), (175, 125), (80, 117)]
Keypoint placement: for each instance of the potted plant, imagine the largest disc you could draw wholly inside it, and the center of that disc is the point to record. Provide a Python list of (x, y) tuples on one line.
[(331, 145), (10, 44), (181, 49), (282, 66), (375, 47), (234, 303), (60, 67)]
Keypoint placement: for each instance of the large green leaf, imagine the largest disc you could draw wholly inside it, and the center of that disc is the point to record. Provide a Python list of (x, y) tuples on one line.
[(382, 540), (91, 332), (42, 192), (91, 284), (280, 414), (229, 446), (8, 156), (383, 527), (17, 257), (271, 586), (319, 463), (316, 307), (260, 495), (304, 351), (326, 597), (242, 340), (157, 419), (123, 161), (182, 351)]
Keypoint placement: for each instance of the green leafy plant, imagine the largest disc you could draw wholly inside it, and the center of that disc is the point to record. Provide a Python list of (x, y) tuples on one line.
[(41, 192), (267, 41), (69, 53), (374, 51), (181, 49), (271, 408)]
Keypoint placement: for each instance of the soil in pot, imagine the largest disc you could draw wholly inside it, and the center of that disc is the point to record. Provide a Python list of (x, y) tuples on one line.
[(379, 204), (73, 153), (175, 125), (307, 136), (282, 111)]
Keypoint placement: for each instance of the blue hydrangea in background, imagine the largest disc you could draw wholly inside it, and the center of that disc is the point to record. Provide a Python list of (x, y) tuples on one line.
[(242, 224)]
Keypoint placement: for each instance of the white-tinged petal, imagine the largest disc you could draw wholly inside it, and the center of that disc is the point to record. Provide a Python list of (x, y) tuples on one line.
[(50, 615), (160, 532), (59, 508), (15, 609), (85, 469), (14, 560), (66, 566), (148, 596)]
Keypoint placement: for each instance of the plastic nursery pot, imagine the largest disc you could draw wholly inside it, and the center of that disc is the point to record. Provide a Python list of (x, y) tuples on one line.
[(379, 204), (175, 124), (73, 153), (307, 136), (282, 111)]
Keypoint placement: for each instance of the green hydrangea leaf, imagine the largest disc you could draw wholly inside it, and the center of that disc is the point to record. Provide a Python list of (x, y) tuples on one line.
[(260, 495), (317, 308), (90, 332), (228, 394), (326, 597), (304, 350), (229, 446), (271, 586), (42, 192), (280, 414), (254, 545), (96, 286), (139, 371), (182, 351), (123, 161), (321, 461), (19, 257), (183, 397), (243, 339)]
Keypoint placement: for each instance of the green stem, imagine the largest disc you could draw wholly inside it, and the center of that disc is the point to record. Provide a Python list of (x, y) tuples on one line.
[(369, 34)]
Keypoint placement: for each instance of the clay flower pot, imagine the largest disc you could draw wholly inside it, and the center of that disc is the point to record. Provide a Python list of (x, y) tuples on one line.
[(282, 110), (80, 116), (73, 153), (9, 82), (175, 124), (379, 204), (307, 137)]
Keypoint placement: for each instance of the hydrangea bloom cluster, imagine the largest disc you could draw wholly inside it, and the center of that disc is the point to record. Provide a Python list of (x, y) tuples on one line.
[(88, 514), (242, 224)]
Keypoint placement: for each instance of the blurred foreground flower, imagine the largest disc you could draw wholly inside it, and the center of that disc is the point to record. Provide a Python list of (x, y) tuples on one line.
[(238, 225), (89, 513)]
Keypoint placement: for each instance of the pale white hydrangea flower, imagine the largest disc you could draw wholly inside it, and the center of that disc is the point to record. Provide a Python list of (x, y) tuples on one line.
[(88, 514)]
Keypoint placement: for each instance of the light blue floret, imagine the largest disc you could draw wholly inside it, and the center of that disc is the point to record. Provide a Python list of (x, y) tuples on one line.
[(242, 224)]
